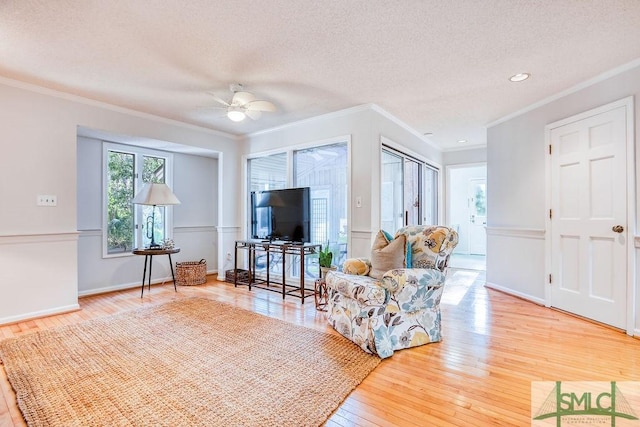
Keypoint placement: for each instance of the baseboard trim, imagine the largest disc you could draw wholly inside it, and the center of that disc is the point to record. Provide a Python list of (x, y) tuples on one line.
[(39, 314), (105, 290), (539, 301)]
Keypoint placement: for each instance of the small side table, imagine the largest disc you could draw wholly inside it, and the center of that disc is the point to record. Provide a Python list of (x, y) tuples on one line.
[(321, 294), (148, 256)]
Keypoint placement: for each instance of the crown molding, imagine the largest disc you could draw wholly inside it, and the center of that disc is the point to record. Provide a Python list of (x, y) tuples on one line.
[(344, 112), (334, 114), (93, 103), (604, 76), (405, 126)]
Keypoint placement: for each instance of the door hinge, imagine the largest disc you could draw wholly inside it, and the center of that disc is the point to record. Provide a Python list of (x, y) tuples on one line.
[(549, 148), (549, 279), (550, 214)]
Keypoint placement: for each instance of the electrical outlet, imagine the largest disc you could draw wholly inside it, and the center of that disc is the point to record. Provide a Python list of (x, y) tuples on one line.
[(47, 200), (228, 256)]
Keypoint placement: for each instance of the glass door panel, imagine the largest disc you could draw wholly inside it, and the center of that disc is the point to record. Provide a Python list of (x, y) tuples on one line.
[(412, 187), (391, 197)]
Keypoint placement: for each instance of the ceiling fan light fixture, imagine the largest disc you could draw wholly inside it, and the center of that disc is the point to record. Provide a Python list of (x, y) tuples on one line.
[(235, 114)]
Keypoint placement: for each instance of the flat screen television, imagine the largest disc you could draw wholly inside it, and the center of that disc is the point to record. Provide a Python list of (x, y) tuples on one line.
[(281, 215)]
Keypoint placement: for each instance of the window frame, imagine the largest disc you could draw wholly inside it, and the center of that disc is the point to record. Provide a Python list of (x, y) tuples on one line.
[(425, 166), (138, 221)]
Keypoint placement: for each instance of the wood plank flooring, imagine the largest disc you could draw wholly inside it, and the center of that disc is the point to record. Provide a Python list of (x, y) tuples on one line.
[(480, 374)]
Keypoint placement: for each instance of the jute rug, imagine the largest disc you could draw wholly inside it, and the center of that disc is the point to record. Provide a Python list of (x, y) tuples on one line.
[(192, 362)]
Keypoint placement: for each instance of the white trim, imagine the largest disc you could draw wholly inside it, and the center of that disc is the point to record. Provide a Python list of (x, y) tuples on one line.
[(301, 146), (465, 147), (509, 291), (520, 233), (628, 104), (195, 229), (602, 77), (39, 314), (20, 239), (91, 233), (632, 227), (93, 103)]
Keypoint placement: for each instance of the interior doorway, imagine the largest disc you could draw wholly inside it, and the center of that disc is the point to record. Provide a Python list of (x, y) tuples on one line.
[(467, 214)]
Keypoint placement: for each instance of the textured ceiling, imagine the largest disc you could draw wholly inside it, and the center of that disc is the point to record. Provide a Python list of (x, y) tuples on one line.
[(439, 66)]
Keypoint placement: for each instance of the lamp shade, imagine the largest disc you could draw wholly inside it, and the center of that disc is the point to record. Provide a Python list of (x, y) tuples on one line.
[(156, 195)]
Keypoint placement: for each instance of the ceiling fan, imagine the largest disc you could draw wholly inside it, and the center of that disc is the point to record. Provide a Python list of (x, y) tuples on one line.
[(244, 104)]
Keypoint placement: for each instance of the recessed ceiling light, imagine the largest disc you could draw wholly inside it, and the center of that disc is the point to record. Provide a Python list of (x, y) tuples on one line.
[(462, 141), (519, 77)]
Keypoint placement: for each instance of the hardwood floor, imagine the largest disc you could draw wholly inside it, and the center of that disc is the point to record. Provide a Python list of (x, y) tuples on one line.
[(480, 374)]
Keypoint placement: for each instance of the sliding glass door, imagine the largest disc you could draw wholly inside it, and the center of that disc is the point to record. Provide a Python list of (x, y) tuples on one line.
[(408, 191)]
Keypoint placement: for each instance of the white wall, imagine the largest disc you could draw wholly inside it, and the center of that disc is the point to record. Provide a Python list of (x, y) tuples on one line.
[(516, 185), (195, 183), (471, 155), (365, 126), (38, 246)]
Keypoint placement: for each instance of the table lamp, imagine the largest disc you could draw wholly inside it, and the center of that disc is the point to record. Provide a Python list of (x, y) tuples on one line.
[(153, 194)]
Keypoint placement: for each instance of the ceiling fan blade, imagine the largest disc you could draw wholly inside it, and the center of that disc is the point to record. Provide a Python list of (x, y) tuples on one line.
[(218, 99), (254, 114), (261, 106), (242, 98)]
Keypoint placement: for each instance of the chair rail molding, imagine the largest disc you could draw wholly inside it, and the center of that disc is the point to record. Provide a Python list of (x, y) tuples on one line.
[(526, 233), (70, 236)]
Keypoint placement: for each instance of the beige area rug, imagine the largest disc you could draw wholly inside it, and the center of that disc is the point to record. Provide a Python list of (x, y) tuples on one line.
[(193, 362)]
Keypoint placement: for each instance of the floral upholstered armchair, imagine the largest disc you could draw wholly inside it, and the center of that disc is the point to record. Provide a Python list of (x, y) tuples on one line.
[(391, 301)]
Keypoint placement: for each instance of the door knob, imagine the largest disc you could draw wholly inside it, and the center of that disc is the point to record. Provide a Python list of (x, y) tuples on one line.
[(618, 228)]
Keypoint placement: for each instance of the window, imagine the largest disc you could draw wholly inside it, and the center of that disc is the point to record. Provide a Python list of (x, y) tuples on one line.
[(126, 170), (324, 170), (120, 186)]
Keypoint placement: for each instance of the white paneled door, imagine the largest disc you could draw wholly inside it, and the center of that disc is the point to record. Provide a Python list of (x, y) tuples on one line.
[(589, 235)]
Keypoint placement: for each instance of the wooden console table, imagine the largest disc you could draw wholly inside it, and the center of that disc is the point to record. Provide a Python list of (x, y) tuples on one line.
[(148, 256), (254, 247)]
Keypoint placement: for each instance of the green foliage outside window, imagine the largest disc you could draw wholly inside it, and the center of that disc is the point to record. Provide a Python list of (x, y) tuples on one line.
[(481, 201), (120, 189)]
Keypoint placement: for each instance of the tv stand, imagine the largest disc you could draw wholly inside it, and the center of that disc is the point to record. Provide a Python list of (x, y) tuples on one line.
[(271, 248)]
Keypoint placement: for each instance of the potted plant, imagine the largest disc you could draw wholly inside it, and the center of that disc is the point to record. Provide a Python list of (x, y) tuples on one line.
[(325, 259)]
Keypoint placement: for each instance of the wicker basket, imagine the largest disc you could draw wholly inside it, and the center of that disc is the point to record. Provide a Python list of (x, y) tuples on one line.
[(190, 273), (243, 275)]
